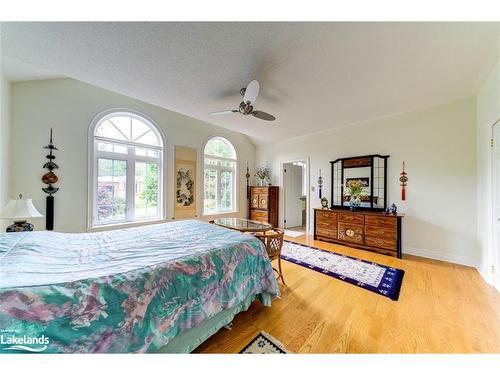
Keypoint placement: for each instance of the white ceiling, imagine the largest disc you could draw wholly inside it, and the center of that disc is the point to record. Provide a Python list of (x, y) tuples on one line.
[(313, 76)]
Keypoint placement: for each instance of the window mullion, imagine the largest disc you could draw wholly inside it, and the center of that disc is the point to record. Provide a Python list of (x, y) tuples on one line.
[(130, 185), (217, 187)]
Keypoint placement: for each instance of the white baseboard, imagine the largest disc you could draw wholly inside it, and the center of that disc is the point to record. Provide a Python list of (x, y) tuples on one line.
[(433, 254), (487, 276)]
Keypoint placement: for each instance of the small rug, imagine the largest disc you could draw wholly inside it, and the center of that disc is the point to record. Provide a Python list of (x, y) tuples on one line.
[(264, 343), (293, 233), (375, 277)]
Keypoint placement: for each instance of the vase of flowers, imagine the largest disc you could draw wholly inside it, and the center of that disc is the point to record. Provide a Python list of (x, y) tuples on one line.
[(263, 175), (355, 191)]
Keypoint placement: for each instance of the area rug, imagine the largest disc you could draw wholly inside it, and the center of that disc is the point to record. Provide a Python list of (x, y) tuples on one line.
[(264, 343), (293, 233), (371, 276)]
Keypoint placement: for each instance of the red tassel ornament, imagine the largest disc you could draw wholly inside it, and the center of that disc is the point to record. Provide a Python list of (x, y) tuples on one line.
[(403, 179)]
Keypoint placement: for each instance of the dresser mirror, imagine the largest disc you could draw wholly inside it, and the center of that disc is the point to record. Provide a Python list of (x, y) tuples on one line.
[(370, 171)]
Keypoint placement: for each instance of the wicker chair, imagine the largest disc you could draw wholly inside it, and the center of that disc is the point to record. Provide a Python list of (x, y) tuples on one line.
[(273, 240)]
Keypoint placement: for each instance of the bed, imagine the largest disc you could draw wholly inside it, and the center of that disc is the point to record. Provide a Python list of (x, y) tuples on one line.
[(157, 288)]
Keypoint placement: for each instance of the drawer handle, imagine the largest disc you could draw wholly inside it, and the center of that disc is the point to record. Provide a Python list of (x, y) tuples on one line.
[(349, 233)]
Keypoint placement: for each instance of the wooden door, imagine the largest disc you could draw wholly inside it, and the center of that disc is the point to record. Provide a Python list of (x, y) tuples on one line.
[(263, 201), (254, 200)]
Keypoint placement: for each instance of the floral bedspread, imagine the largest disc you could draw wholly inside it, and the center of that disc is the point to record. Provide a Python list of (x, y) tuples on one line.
[(129, 290)]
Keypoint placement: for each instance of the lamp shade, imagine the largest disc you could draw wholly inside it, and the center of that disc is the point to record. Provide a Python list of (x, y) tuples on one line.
[(20, 209)]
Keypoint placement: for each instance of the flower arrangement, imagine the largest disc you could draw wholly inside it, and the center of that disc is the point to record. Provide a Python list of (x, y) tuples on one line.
[(264, 174), (356, 190)]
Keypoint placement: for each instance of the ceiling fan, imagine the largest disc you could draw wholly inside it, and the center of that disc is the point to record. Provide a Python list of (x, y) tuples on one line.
[(249, 94)]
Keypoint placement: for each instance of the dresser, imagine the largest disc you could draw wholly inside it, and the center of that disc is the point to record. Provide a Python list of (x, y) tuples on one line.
[(366, 230), (264, 204)]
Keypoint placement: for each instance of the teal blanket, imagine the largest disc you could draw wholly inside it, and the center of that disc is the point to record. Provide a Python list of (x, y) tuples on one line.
[(130, 290)]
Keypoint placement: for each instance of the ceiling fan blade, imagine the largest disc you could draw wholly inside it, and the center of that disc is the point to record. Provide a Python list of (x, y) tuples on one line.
[(263, 116), (251, 92), (224, 112)]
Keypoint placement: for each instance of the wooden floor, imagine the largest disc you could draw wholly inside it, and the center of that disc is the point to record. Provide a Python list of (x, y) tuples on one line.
[(442, 308)]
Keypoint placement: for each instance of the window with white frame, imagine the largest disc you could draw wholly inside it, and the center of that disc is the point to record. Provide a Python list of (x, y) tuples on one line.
[(219, 176), (126, 173)]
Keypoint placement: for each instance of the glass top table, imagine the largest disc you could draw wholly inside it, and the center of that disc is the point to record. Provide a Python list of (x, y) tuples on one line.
[(243, 225)]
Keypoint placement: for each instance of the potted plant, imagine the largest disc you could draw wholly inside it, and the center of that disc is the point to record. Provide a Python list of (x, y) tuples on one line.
[(355, 191), (263, 175)]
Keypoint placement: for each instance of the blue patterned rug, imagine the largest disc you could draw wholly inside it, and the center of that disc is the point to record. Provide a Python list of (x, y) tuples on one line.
[(372, 276)]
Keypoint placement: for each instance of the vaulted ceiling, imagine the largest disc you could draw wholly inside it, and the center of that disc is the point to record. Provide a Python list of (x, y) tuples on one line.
[(313, 76)]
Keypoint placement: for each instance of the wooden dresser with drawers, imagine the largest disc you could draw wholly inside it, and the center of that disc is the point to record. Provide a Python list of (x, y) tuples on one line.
[(374, 231), (264, 204)]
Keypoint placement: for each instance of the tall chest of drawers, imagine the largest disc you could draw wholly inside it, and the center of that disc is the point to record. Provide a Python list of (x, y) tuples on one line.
[(372, 231), (264, 204)]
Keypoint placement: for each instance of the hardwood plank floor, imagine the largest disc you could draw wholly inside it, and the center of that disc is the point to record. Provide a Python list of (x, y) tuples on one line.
[(442, 308)]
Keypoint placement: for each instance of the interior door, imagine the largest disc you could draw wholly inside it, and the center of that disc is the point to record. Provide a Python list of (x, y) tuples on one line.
[(293, 194), (496, 203)]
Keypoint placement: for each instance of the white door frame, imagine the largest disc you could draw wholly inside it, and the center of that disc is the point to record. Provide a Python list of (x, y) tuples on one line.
[(495, 239), (282, 190)]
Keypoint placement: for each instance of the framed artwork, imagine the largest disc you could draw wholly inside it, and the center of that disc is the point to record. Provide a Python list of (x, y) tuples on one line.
[(184, 182)]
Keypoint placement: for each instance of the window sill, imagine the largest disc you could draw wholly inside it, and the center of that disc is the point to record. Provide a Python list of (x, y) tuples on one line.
[(103, 227)]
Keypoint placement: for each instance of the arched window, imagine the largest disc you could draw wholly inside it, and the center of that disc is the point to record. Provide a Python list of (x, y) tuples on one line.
[(126, 173), (219, 176)]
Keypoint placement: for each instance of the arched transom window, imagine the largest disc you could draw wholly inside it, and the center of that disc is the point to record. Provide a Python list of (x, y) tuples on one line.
[(126, 177), (219, 176)]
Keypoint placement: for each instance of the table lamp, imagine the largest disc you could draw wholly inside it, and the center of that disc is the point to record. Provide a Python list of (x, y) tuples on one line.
[(20, 210)]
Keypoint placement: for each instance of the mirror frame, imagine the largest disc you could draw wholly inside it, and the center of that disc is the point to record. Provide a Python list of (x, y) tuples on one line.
[(362, 161)]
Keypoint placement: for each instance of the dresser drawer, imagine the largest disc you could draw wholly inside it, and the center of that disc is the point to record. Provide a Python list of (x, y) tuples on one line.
[(351, 232), (332, 233), (351, 218), (383, 232), (381, 220), (326, 215), (259, 216), (384, 243), (260, 190), (326, 224)]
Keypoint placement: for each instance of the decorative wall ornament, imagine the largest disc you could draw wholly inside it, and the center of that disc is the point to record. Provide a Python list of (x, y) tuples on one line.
[(403, 179), (320, 185), (185, 182), (49, 179), (247, 175)]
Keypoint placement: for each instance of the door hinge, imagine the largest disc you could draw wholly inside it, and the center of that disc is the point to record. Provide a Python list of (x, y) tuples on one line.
[(492, 269), (491, 142)]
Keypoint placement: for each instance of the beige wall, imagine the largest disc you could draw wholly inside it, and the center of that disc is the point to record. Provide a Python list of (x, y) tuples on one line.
[(488, 112), (439, 147), (69, 107), (4, 145)]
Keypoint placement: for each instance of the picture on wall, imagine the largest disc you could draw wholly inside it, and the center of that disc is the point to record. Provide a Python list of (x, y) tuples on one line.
[(184, 182), (184, 193)]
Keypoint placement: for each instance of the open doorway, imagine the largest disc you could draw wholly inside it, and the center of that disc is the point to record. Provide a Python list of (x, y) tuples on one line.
[(295, 197)]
